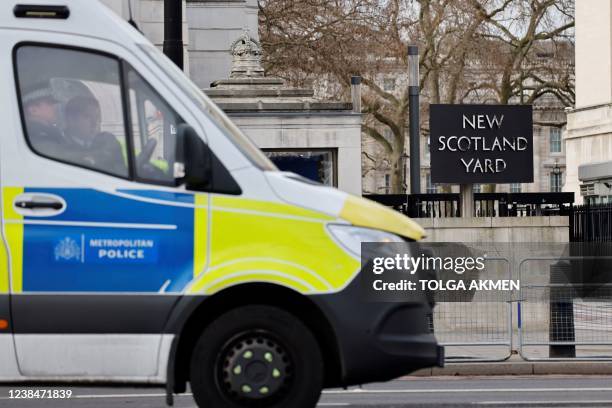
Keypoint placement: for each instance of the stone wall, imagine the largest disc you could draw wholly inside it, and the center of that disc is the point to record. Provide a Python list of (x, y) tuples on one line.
[(497, 229)]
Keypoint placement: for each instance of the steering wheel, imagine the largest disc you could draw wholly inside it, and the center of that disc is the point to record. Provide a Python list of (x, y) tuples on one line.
[(145, 155)]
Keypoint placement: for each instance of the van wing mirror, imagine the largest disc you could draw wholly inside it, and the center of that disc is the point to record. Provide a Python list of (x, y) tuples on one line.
[(201, 170), (196, 171)]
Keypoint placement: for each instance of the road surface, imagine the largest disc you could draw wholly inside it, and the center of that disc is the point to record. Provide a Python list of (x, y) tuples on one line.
[(430, 392)]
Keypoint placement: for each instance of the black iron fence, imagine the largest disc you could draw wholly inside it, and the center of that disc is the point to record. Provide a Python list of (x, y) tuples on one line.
[(443, 205), (591, 223)]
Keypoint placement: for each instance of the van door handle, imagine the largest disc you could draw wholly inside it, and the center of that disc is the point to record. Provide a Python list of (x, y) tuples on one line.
[(33, 205), (39, 204)]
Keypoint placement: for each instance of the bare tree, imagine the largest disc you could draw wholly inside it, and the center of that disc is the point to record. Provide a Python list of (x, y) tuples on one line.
[(470, 50)]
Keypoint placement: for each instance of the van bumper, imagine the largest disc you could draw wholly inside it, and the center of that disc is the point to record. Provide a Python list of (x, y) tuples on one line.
[(380, 341)]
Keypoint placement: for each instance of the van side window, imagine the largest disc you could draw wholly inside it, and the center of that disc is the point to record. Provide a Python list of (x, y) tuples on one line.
[(72, 107), (154, 130)]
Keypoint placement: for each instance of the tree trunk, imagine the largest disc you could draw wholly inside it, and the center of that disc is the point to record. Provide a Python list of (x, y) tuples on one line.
[(397, 172)]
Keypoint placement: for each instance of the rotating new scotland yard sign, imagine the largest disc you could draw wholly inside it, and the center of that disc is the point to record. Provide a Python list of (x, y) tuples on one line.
[(481, 143)]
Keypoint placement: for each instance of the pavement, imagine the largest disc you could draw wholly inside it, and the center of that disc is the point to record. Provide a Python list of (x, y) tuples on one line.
[(516, 365), (430, 392)]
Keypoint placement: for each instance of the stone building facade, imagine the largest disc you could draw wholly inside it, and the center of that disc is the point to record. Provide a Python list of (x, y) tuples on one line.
[(318, 139), (588, 138), (209, 28)]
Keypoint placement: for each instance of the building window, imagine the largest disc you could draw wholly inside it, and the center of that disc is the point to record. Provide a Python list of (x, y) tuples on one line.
[(387, 183), (556, 182), (389, 84), (515, 187), (555, 140), (476, 188), (431, 188), (427, 149), (317, 164)]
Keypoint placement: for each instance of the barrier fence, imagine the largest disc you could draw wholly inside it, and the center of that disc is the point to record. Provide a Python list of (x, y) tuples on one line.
[(476, 326), (562, 320), (548, 318)]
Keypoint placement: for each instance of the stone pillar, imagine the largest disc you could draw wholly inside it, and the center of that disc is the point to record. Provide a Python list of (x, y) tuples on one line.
[(589, 126), (466, 192), (593, 52)]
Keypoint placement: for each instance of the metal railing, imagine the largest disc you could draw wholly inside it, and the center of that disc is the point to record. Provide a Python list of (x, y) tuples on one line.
[(522, 204), (591, 223), (445, 205), (441, 205)]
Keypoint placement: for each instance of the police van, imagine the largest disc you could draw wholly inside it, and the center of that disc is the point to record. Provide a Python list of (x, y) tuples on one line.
[(145, 239)]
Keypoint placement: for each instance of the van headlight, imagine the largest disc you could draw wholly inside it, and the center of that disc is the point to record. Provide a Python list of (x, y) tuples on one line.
[(351, 237)]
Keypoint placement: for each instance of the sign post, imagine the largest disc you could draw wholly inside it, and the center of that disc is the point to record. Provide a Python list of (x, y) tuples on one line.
[(466, 192), (487, 144)]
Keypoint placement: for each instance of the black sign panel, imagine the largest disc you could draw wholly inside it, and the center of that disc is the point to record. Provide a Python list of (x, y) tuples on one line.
[(481, 144)]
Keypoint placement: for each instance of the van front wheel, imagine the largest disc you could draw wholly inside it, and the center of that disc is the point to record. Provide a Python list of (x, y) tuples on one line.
[(256, 356)]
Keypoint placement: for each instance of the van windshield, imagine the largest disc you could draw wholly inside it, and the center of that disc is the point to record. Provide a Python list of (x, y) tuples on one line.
[(246, 146)]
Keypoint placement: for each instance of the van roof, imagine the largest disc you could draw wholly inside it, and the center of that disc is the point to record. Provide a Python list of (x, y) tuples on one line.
[(87, 17)]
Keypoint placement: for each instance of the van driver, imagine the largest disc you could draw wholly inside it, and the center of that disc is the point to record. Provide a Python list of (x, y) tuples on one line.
[(40, 112)]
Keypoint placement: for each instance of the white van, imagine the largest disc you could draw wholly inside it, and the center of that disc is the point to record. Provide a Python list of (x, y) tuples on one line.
[(146, 239)]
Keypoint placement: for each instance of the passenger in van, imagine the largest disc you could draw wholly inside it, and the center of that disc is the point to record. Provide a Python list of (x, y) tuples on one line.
[(82, 131), (82, 120), (39, 105)]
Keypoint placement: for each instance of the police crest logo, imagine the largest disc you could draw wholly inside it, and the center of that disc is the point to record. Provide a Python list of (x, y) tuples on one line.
[(67, 250)]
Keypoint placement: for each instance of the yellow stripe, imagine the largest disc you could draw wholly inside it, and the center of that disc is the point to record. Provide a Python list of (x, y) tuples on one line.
[(261, 267), (14, 236), (269, 207), (200, 233), (4, 270), (258, 277), (366, 213)]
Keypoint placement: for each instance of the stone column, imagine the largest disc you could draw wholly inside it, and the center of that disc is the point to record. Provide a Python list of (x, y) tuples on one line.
[(589, 126)]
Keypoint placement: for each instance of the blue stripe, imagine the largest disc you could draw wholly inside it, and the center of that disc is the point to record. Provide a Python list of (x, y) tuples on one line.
[(100, 259)]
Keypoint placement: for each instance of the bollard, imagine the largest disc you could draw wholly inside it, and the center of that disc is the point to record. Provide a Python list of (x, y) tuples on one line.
[(561, 322)]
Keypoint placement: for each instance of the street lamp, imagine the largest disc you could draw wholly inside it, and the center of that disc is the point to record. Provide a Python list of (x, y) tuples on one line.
[(556, 169), (173, 31), (413, 114)]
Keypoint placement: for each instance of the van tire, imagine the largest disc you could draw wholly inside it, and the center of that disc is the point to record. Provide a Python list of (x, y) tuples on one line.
[(256, 356)]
